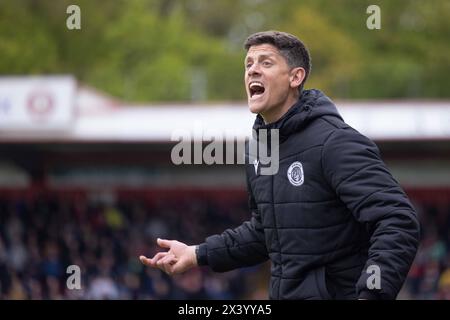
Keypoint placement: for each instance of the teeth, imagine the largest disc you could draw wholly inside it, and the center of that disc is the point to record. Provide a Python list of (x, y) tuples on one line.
[(256, 84)]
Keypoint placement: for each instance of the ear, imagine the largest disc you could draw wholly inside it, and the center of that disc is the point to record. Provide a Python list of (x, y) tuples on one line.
[(297, 76)]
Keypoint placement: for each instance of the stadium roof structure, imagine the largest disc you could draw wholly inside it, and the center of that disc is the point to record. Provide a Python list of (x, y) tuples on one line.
[(380, 120), (94, 117)]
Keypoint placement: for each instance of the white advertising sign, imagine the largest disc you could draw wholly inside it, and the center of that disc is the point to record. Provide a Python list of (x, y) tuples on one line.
[(36, 103)]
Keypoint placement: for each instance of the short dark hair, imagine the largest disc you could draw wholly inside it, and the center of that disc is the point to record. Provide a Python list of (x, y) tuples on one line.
[(290, 47)]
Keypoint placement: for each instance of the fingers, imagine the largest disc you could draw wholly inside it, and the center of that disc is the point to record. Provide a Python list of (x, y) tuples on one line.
[(162, 260), (152, 262), (164, 243), (158, 257), (166, 263), (169, 258), (146, 261)]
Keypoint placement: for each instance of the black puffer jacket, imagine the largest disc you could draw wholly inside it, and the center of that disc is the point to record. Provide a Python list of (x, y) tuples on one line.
[(331, 212)]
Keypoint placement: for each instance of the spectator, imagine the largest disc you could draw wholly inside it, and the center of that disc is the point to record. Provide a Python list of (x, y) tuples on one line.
[(33, 260)]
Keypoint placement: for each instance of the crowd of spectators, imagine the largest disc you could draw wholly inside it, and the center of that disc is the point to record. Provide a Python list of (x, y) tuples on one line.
[(429, 277), (42, 235)]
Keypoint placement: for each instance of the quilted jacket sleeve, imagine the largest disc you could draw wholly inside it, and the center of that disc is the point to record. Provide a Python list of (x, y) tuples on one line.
[(354, 169)]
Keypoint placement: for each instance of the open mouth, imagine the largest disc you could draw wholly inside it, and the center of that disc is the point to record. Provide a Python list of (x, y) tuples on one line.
[(256, 89)]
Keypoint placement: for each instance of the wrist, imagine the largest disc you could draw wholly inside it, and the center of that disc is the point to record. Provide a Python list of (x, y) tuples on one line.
[(201, 254), (194, 258)]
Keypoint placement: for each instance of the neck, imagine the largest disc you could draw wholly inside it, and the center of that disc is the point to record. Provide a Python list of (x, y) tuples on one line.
[(280, 111)]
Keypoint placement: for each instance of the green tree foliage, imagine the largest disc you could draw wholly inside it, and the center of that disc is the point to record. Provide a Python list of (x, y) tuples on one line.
[(191, 50)]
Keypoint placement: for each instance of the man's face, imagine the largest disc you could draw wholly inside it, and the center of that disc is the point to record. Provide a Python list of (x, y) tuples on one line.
[(267, 80)]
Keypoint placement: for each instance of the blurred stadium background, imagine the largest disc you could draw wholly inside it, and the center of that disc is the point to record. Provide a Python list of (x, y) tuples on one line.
[(86, 118)]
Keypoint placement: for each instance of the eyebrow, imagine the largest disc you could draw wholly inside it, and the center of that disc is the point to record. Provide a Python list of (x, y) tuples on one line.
[(263, 56)]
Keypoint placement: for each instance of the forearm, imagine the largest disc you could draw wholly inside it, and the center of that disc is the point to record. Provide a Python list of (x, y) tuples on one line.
[(240, 247), (394, 244)]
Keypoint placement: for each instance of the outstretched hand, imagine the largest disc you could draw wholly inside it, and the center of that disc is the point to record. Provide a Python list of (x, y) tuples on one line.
[(178, 259)]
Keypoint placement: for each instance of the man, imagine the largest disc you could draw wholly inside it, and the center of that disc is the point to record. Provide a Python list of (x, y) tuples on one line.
[(333, 221)]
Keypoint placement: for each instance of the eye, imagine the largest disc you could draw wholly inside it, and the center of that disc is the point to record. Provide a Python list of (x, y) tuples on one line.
[(248, 65), (267, 63)]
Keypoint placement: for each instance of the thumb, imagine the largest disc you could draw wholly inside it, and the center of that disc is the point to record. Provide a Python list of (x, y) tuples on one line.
[(164, 243)]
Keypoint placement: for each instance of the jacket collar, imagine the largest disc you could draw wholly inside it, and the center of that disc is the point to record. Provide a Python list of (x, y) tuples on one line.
[(311, 104)]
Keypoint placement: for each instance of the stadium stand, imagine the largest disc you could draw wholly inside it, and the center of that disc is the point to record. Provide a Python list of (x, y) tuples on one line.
[(96, 187)]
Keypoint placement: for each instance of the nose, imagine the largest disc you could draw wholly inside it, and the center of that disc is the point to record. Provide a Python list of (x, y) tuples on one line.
[(253, 70)]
